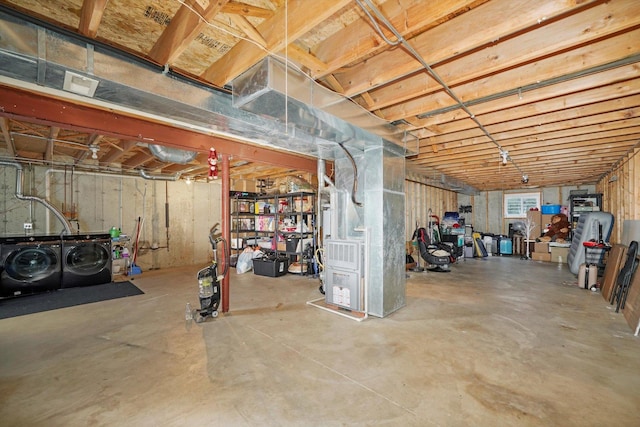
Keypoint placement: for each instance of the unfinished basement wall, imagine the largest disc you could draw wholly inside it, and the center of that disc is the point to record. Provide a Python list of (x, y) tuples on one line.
[(621, 193), (420, 198), (96, 202), (487, 207)]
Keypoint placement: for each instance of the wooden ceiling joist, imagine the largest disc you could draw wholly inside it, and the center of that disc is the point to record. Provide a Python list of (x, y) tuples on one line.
[(547, 79)]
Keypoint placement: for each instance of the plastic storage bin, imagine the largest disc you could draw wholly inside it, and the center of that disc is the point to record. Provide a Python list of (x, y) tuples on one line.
[(550, 209), (270, 267), (506, 246)]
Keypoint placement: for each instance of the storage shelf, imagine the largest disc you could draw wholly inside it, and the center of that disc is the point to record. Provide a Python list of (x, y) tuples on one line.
[(267, 214)]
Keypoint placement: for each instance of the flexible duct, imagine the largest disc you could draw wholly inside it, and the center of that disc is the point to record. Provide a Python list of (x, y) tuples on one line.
[(172, 155), (20, 196), (173, 177)]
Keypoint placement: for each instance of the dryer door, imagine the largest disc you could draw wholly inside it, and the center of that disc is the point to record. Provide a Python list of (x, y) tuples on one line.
[(31, 264), (87, 259)]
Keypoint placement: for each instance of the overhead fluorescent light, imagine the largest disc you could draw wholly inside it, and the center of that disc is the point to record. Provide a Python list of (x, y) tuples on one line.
[(79, 84)]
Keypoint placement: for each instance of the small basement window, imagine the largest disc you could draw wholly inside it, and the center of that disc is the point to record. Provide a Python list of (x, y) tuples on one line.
[(516, 205)]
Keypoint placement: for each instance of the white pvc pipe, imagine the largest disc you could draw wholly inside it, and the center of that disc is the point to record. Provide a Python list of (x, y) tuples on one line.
[(366, 270), (313, 303)]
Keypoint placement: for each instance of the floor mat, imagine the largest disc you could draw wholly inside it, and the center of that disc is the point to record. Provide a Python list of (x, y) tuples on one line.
[(62, 298)]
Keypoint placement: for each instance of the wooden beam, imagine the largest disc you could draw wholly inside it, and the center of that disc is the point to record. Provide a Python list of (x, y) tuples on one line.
[(234, 7), (567, 147), (584, 90), (359, 39), (138, 160), (53, 135), (303, 57), (480, 27), (540, 42), (116, 152), (580, 103), (564, 63), (182, 30), (6, 134), (90, 17), (94, 138), (609, 114), (246, 27), (289, 23)]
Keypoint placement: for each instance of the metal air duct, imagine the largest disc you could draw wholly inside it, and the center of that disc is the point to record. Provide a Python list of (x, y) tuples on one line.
[(20, 196), (271, 88), (172, 155), (37, 58), (165, 177)]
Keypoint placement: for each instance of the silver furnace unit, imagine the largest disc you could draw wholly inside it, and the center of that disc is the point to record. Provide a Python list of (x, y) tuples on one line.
[(343, 274)]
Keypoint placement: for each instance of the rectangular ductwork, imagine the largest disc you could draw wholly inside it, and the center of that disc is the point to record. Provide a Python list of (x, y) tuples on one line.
[(274, 89)]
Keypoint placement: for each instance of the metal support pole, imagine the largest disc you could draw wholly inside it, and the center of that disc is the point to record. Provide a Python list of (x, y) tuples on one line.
[(225, 210)]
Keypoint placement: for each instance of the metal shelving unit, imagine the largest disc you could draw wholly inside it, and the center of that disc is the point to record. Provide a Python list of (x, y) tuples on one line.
[(242, 221), (289, 218)]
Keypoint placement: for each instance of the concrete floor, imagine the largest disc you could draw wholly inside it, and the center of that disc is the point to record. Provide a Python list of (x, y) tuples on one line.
[(496, 342)]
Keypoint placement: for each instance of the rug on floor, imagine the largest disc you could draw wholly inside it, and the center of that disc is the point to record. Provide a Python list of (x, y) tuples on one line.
[(62, 298)]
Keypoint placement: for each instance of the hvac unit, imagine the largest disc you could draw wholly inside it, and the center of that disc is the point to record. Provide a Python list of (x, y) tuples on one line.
[(343, 274)]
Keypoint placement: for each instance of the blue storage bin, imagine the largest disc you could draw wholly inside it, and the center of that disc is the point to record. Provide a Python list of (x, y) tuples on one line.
[(550, 209), (506, 246)]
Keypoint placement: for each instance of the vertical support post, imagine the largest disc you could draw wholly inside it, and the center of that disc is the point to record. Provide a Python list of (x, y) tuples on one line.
[(225, 211)]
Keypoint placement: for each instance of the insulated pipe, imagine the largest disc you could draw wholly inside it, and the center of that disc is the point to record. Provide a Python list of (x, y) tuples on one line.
[(20, 196)]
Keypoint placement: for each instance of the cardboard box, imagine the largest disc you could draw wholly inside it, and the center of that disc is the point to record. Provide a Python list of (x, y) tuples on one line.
[(270, 267), (541, 256), (536, 218), (531, 244), (546, 220), (541, 248), (559, 254)]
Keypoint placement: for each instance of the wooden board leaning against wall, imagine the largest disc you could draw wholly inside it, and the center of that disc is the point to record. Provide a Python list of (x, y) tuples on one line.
[(621, 191), (420, 198)]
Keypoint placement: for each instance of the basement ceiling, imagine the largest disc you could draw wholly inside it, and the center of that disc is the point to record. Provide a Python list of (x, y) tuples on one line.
[(554, 85)]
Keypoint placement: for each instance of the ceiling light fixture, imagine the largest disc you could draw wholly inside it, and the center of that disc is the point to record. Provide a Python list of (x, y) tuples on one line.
[(504, 155), (94, 151), (525, 179)]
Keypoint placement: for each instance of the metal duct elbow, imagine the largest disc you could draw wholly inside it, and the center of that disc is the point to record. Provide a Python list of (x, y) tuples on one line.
[(173, 177), (172, 155), (324, 181), (18, 193)]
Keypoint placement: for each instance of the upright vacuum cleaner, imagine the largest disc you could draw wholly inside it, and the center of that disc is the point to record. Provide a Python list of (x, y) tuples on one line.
[(209, 281)]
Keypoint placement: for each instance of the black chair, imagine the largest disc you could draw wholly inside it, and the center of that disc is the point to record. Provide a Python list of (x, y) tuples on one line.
[(437, 255), (621, 289)]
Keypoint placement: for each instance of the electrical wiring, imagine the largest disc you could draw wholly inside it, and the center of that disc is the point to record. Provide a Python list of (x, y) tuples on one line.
[(429, 69), (238, 36)]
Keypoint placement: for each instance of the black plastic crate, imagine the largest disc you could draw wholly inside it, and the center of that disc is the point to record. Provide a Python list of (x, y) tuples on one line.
[(270, 267)]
